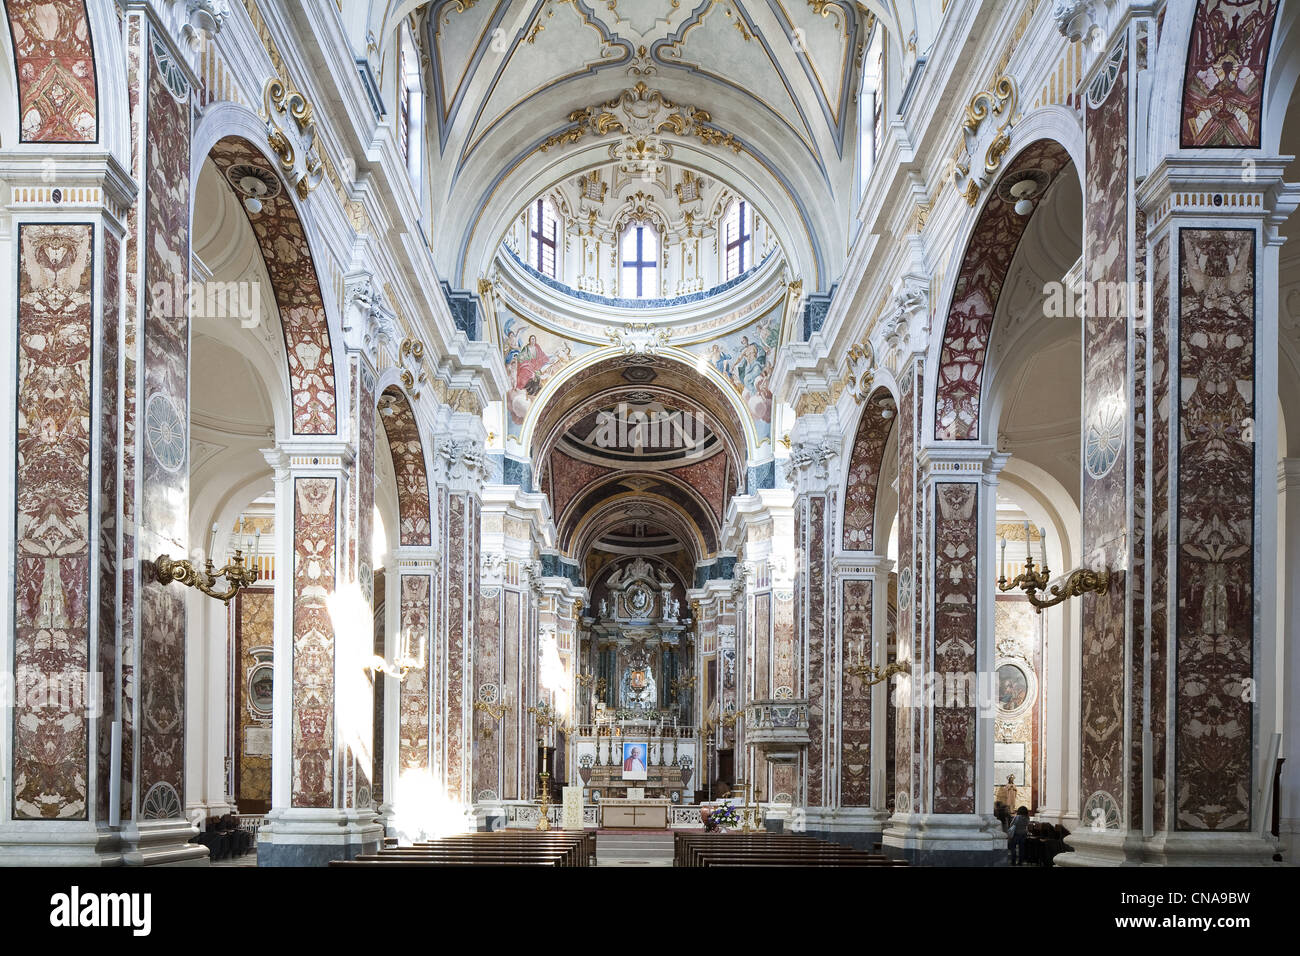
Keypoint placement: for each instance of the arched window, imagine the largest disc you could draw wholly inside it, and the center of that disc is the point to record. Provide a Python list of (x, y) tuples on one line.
[(543, 230), (871, 103), (738, 232), (639, 257), (410, 104)]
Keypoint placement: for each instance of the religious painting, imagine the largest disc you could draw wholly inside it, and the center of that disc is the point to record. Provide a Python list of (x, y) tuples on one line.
[(532, 357), (1013, 688), (634, 761), (260, 682), (745, 359)]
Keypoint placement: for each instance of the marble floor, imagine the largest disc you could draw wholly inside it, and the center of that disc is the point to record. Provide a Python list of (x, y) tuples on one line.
[(634, 848)]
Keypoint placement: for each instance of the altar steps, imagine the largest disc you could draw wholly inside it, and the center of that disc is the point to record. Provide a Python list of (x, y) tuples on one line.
[(634, 848)]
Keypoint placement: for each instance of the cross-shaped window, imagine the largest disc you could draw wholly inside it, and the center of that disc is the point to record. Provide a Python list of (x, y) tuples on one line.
[(640, 248), (542, 237), (740, 239)]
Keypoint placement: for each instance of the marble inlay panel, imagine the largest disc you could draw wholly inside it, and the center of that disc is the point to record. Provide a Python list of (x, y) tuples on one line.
[(1216, 513), (52, 476), (1223, 91), (956, 622), (315, 530), (413, 717), (164, 428), (855, 707), (1106, 413), (110, 391), (55, 66)]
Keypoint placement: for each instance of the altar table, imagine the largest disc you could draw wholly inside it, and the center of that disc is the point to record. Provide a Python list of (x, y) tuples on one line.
[(647, 814)]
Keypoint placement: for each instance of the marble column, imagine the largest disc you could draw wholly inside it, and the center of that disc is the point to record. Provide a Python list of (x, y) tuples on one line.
[(67, 268), (1179, 494), (320, 656), (515, 524), (760, 529), (459, 473)]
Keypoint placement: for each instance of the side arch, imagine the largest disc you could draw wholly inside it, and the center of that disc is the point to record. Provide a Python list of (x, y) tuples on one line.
[(227, 137), (866, 463), (410, 468), (980, 276)]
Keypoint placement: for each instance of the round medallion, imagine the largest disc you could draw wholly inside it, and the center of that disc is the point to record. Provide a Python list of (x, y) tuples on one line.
[(1104, 438), (162, 802), (1017, 688), (1101, 812), (638, 599), (164, 430)]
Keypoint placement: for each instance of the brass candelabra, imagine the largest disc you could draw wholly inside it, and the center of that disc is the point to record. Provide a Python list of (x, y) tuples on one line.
[(1077, 582), (168, 569), (875, 675), (495, 712)]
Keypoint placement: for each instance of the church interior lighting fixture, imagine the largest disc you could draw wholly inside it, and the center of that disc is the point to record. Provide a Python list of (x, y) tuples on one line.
[(1077, 582), (864, 671), (404, 663), (235, 573)]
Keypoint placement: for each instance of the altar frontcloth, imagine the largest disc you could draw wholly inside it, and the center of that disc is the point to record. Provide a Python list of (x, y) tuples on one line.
[(650, 814)]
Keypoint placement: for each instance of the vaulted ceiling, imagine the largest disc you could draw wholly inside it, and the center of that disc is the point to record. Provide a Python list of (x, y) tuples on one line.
[(762, 94)]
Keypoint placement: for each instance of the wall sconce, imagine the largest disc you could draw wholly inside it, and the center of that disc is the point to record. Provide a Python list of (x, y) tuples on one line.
[(403, 665), (864, 672), (167, 570), (495, 712), (1077, 582)]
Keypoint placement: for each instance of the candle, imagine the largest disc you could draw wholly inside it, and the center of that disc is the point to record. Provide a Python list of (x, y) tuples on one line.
[(1028, 556), (1002, 567), (212, 542), (257, 545), (1042, 545)]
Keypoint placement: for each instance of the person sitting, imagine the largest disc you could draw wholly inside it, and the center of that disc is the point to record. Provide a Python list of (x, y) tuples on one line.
[(1016, 835)]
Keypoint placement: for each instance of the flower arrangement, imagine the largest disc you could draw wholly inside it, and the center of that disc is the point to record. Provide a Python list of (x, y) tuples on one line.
[(725, 816)]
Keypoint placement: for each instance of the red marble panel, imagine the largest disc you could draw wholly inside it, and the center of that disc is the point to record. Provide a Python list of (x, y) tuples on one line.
[(52, 531), (55, 65), (1160, 511), (855, 696), (956, 623), (815, 643), (709, 479), (569, 477), (1106, 414), (296, 286), (487, 683), (1223, 91), (109, 390), (413, 707), (1138, 553), (909, 557), (1216, 514), (865, 463), (983, 272), (315, 531), (409, 468), (458, 581), (513, 631), (137, 62), (164, 442)]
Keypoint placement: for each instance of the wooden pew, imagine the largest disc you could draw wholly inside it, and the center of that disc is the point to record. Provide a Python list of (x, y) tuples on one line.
[(501, 848), (764, 849)]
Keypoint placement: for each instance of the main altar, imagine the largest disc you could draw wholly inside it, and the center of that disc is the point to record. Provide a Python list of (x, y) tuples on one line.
[(636, 732)]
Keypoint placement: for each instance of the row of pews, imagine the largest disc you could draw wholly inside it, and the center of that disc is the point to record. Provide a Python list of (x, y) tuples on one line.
[(768, 849), (499, 848)]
